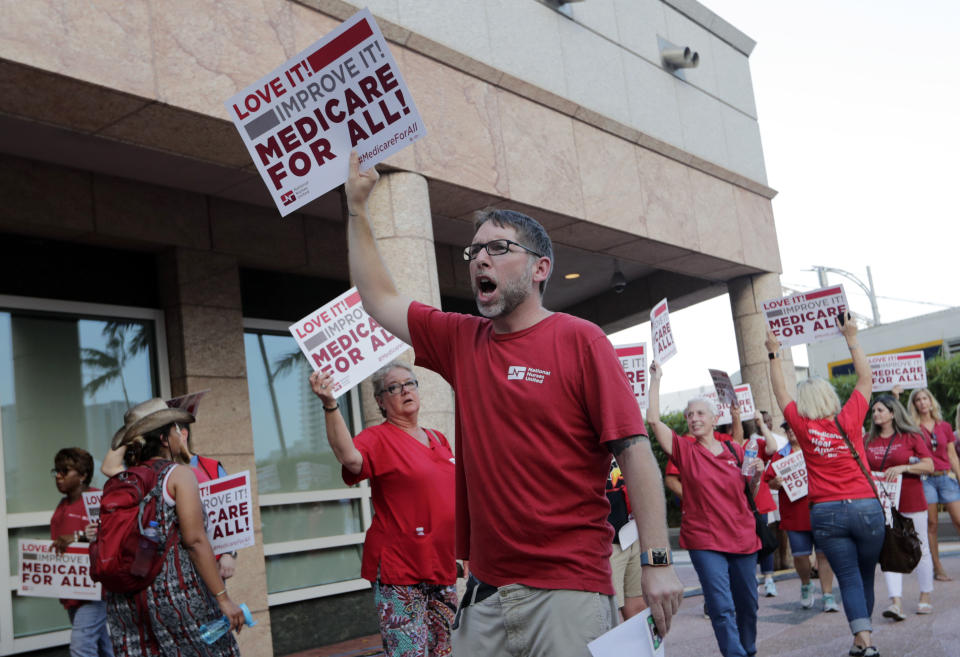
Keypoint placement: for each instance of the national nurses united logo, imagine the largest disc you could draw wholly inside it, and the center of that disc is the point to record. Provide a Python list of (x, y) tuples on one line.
[(524, 373)]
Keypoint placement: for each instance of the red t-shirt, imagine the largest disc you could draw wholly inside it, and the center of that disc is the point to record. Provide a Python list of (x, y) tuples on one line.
[(905, 445), (764, 498), (794, 516), (672, 469), (412, 535), (832, 472), (944, 436), (69, 517), (533, 409), (716, 515)]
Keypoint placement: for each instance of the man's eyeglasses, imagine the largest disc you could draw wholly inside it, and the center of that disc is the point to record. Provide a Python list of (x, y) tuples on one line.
[(494, 248), (398, 388), (59, 471)]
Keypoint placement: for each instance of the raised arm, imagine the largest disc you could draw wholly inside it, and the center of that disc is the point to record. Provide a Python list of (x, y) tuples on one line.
[(661, 431), (848, 328), (338, 435), (735, 424), (776, 372), (113, 461), (769, 441), (367, 270)]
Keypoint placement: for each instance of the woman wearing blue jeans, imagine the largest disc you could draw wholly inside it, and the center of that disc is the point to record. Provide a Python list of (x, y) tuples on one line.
[(846, 518)]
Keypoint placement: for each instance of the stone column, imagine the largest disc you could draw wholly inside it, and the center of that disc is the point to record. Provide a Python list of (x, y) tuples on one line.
[(746, 295), (399, 210), (200, 292)]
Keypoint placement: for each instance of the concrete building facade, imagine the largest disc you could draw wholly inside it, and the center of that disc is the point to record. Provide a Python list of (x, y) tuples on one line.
[(131, 208)]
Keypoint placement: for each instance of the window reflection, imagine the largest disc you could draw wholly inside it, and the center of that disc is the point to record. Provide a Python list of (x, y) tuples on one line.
[(289, 431), (65, 382)]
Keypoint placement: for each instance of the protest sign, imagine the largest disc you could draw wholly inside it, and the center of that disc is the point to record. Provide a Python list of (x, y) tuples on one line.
[(45, 574), (636, 636), (342, 339), (301, 120), (908, 370), (724, 386), (663, 346), (748, 410), (792, 471), (807, 316), (189, 403), (229, 513), (633, 359), (892, 495), (91, 502)]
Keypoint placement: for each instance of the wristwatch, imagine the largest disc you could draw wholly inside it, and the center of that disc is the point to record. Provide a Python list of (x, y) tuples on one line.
[(656, 557)]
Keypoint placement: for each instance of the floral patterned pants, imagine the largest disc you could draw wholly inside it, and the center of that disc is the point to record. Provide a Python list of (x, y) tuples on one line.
[(415, 620)]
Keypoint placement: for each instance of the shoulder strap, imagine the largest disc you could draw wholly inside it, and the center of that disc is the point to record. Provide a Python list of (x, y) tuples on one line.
[(207, 463), (856, 456), (885, 453)]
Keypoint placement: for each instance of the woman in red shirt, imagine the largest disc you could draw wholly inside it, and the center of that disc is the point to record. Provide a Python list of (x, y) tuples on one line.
[(717, 529), (408, 553), (845, 515), (940, 487), (895, 447)]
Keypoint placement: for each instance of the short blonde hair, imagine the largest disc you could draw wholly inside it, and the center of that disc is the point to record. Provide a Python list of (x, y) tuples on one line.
[(816, 399), (935, 412)]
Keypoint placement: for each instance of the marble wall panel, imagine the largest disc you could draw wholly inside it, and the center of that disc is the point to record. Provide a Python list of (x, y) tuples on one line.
[(610, 179), (462, 117), (734, 82), (525, 43), (594, 72), (652, 96), (668, 200), (200, 278), (744, 147), (57, 36), (541, 156), (206, 352), (716, 211), (462, 24), (223, 418), (701, 124), (758, 229)]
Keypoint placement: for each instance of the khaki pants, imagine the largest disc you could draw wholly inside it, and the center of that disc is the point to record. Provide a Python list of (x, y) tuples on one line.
[(627, 572), (519, 620)]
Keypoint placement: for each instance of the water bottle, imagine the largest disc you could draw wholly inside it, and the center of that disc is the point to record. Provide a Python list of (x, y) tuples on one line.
[(749, 453), (212, 631), (146, 550)]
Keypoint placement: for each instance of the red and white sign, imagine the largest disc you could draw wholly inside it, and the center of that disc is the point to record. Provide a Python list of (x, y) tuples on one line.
[(724, 386), (189, 403), (633, 359), (229, 512), (91, 502), (806, 317), (341, 338), (748, 410), (664, 347), (908, 370), (892, 496), (792, 471), (45, 574), (301, 121)]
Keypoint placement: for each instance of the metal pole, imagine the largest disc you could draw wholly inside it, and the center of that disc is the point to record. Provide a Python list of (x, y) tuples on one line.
[(822, 275), (873, 298)]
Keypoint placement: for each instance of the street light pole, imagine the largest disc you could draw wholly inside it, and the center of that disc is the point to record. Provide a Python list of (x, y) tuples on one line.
[(869, 290)]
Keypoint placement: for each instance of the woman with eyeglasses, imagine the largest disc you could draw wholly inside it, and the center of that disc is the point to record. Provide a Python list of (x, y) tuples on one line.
[(408, 553), (940, 487), (895, 447)]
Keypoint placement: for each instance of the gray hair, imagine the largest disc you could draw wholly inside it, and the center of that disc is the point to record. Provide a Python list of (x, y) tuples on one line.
[(711, 406), (529, 231), (381, 374)]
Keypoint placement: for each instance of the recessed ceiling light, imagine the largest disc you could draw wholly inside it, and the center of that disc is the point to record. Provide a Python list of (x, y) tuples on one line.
[(571, 276)]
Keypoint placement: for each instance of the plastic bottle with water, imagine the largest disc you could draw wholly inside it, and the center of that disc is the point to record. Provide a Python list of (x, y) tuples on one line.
[(146, 550), (749, 453), (212, 631)]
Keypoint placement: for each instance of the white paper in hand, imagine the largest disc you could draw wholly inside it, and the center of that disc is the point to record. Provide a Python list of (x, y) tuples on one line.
[(637, 637)]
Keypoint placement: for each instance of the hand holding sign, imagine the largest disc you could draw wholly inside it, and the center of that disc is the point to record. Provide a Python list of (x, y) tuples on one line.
[(359, 184)]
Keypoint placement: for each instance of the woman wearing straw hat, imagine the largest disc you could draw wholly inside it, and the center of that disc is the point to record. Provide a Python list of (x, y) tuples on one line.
[(164, 618)]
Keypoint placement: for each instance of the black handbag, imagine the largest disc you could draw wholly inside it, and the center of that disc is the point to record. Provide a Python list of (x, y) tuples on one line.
[(768, 539), (901, 551)]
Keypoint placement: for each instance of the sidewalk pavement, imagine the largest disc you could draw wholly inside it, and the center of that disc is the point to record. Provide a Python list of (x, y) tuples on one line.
[(784, 629)]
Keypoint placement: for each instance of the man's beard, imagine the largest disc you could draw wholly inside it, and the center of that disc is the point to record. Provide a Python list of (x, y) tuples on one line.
[(511, 294)]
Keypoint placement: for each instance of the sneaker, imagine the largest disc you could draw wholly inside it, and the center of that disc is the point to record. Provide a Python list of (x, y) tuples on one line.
[(830, 602), (894, 612), (806, 597), (770, 588), (924, 608)]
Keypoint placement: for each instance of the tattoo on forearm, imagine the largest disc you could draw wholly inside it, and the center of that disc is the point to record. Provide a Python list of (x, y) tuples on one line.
[(616, 447)]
